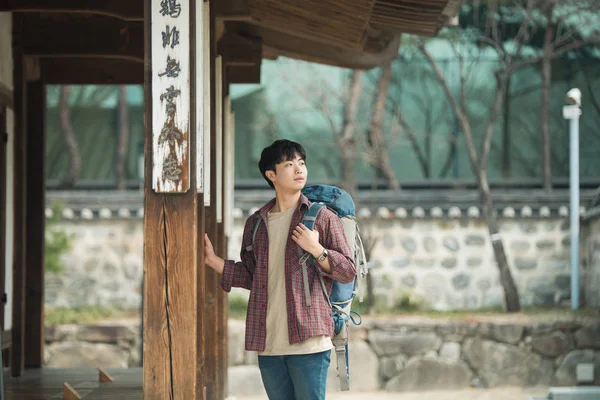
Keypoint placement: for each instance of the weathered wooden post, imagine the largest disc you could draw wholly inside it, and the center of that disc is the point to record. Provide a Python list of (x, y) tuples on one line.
[(173, 204)]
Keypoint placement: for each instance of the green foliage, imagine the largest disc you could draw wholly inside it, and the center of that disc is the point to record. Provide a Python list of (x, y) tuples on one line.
[(237, 307), (80, 315), (58, 242)]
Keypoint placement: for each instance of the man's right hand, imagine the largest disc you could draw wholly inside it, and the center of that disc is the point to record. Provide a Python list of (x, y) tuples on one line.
[(210, 258)]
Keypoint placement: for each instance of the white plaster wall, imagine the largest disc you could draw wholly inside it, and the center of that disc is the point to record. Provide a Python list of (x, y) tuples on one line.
[(6, 49), (6, 79), (10, 182)]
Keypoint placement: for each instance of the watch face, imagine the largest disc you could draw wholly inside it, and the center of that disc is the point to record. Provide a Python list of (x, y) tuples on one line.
[(323, 256)]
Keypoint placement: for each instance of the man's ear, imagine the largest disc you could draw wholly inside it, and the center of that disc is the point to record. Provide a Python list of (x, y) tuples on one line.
[(271, 175)]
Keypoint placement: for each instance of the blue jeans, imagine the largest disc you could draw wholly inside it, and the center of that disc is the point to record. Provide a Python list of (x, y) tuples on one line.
[(300, 377)]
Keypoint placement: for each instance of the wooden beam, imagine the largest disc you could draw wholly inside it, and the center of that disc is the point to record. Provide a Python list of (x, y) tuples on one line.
[(83, 37), (221, 295), (17, 353), (36, 194), (244, 74), (239, 50), (129, 10), (198, 47), (233, 10), (211, 279), (81, 71)]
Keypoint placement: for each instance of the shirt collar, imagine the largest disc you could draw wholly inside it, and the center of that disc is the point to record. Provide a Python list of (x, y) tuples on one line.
[(303, 204)]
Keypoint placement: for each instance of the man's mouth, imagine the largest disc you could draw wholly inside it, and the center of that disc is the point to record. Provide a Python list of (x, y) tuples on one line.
[(299, 179)]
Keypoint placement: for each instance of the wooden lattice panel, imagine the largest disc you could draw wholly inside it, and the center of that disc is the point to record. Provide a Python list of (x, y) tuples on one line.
[(340, 23)]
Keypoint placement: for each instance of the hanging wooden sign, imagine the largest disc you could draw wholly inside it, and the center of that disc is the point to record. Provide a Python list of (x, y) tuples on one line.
[(170, 36)]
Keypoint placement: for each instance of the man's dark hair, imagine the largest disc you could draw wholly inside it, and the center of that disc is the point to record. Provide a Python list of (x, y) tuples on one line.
[(279, 151)]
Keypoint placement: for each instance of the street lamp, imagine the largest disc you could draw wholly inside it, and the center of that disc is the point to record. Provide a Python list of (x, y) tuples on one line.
[(572, 112)]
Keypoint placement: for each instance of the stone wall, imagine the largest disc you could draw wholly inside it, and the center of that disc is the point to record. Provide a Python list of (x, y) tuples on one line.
[(591, 258), (104, 267), (445, 263), (413, 354), (449, 263), (401, 354)]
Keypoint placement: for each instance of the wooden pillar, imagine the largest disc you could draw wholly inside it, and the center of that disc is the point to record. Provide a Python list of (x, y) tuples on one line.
[(223, 305), (36, 193), (212, 286), (20, 200), (171, 213), (198, 47)]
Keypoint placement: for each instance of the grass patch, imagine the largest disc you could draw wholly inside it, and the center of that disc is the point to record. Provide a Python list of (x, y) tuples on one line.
[(83, 315), (406, 305)]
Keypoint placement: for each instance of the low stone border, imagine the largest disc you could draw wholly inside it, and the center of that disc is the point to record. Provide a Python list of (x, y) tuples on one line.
[(398, 354)]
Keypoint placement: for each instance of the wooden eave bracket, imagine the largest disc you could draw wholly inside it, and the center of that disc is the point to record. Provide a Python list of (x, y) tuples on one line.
[(238, 50)]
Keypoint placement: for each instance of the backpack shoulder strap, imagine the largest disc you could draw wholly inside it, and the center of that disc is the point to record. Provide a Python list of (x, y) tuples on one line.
[(308, 220), (255, 224), (311, 215)]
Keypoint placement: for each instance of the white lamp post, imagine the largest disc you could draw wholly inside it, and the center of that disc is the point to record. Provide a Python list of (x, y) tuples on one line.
[(572, 112)]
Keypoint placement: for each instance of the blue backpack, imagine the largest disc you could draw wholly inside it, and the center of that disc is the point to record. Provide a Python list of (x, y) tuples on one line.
[(342, 294)]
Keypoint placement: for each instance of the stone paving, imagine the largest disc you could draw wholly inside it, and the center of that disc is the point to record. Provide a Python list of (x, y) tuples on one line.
[(471, 394)]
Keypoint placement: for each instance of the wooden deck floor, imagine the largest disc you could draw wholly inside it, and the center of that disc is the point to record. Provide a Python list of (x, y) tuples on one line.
[(47, 384)]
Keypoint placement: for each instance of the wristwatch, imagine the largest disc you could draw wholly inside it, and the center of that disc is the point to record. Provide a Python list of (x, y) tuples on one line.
[(323, 256)]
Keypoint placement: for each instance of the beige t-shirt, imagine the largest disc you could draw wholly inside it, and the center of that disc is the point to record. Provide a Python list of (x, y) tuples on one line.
[(277, 321)]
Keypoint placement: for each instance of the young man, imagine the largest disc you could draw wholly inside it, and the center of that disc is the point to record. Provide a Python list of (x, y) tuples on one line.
[(293, 339)]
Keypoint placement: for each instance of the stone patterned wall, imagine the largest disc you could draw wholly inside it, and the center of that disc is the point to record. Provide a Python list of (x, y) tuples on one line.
[(399, 354), (418, 354), (591, 260), (104, 268), (447, 263), (451, 265)]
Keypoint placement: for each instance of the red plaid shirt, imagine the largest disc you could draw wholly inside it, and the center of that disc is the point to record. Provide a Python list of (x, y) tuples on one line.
[(251, 273)]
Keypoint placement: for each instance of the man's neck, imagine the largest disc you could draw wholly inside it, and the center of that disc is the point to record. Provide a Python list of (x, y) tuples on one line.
[(285, 201)]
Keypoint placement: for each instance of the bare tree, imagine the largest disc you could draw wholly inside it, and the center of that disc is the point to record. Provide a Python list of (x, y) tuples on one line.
[(479, 160), (353, 139), (74, 169), (346, 140), (479, 154), (123, 137), (546, 83), (376, 142), (562, 21)]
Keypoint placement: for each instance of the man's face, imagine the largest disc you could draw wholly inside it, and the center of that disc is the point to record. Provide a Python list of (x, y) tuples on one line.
[(290, 175)]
